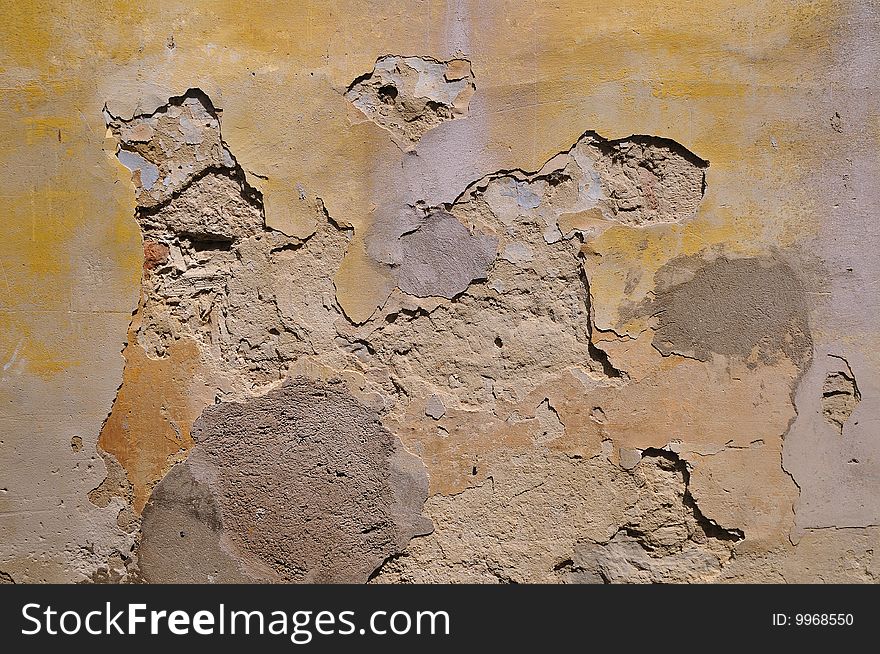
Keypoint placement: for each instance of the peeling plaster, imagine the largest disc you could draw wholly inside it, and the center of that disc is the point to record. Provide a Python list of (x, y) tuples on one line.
[(542, 325)]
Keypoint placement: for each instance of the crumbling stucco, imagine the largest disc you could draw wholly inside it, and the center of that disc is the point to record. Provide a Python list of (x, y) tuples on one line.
[(614, 361), (553, 518), (167, 150), (840, 395), (748, 308), (410, 95)]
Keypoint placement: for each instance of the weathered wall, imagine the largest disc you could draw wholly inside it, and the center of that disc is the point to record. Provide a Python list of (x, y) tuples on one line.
[(439, 291)]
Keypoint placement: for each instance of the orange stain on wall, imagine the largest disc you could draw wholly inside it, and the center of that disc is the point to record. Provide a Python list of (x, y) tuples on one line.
[(149, 427)]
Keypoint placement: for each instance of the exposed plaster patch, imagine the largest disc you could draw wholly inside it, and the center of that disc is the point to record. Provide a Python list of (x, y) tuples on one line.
[(168, 148), (486, 348), (524, 321), (638, 181), (227, 305), (546, 517), (595, 185), (410, 95), (753, 309), (207, 253), (216, 208), (840, 394)]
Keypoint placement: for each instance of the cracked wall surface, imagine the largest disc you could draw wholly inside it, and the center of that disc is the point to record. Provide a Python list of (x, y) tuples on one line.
[(439, 292), (302, 484)]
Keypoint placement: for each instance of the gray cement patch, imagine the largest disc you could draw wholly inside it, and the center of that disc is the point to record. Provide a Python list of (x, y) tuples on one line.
[(302, 484), (732, 307)]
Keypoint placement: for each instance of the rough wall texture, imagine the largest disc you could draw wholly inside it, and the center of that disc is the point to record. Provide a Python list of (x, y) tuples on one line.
[(439, 291)]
